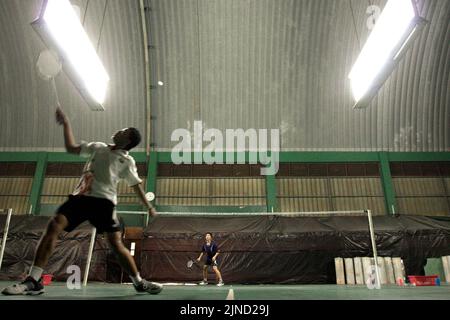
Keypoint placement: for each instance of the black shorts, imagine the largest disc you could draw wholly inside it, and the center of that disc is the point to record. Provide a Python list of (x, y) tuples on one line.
[(211, 263), (99, 212)]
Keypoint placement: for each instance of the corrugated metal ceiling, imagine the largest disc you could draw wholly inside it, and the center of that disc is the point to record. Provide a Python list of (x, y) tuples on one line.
[(233, 64)]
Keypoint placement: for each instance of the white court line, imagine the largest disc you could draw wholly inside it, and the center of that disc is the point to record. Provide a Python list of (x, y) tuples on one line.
[(230, 295)]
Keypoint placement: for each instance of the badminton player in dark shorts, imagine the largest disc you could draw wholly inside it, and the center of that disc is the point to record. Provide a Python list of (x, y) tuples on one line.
[(94, 200), (211, 250)]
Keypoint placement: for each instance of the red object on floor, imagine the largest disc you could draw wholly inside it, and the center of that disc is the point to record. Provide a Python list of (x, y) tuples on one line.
[(47, 279), (423, 280), (400, 282)]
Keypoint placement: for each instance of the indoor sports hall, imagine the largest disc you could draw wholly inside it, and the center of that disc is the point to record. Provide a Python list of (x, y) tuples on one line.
[(224, 150)]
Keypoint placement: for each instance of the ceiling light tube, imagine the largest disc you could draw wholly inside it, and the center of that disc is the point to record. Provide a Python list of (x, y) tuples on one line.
[(61, 30)]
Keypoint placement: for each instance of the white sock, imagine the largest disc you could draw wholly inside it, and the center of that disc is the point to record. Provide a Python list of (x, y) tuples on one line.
[(36, 273), (137, 279)]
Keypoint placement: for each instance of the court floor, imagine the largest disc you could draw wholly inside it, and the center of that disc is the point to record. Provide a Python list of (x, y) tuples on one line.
[(105, 291)]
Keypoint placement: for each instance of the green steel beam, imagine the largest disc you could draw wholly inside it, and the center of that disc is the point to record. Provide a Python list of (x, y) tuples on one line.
[(388, 186), (165, 157), (19, 156), (152, 172), (139, 157), (65, 157), (418, 156), (38, 182), (271, 193), (319, 157)]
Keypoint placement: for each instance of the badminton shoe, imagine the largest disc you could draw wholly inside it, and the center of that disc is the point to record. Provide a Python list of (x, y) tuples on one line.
[(220, 283), (27, 287), (203, 283), (149, 287)]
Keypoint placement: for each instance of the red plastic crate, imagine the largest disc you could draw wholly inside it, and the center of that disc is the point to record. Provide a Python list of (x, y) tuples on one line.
[(423, 280)]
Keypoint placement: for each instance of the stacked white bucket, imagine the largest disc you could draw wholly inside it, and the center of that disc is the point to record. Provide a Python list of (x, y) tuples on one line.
[(446, 265), (355, 271)]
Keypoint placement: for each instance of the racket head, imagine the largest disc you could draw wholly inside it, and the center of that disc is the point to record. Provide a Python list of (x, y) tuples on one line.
[(190, 263), (48, 65)]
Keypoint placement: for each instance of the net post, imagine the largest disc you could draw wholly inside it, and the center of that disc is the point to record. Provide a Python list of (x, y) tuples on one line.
[(5, 235), (374, 248), (88, 262)]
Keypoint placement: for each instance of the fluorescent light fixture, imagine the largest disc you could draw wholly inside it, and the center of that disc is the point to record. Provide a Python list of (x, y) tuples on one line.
[(61, 30), (393, 33)]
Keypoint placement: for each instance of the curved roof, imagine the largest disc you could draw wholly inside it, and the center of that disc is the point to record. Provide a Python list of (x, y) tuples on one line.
[(232, 64)]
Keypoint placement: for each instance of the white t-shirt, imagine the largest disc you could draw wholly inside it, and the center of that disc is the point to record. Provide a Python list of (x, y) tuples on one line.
[(103, 171)]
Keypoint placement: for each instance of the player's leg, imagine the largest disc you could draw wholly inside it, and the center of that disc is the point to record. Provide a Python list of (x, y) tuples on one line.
[(218, 276), (123, 254), (48, 241), (205, 275), (32, 284), (129, 265), (104, 219)]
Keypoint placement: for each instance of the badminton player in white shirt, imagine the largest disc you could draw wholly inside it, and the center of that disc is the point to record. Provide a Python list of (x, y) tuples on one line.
[(94, 200)]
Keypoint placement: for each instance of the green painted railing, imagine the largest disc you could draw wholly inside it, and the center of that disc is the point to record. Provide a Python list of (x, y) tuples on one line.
[(383, 158)]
